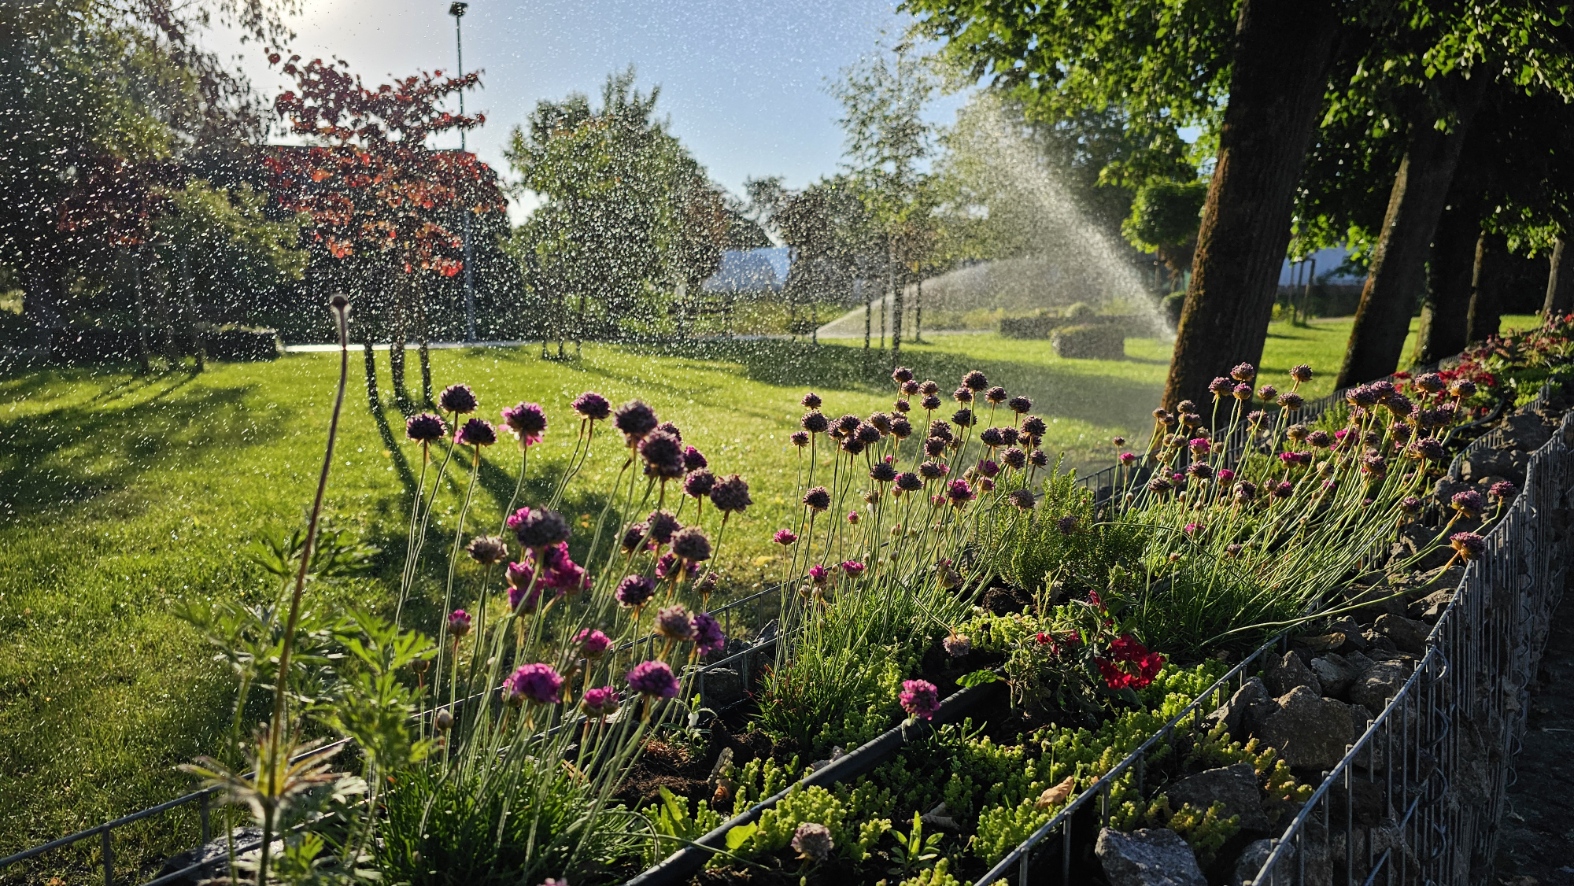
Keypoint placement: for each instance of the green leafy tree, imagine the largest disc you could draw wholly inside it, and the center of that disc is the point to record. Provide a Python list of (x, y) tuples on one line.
[(626, 211), (1164, 218)]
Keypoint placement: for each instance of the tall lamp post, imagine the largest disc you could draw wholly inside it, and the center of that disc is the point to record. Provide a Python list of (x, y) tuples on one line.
[(457, 10)]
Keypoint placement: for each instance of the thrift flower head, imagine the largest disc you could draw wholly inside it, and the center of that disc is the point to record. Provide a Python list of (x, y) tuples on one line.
[(540, 528), (975, 381), (930, 402), (817, 499), (653, 679), (1225, 475), (882, 472), (520, 574), (662, 525), (669, 567), (1066, 525), (457, 398), (963, 418), (1502, 489), (907, 481), (815, 422), (526, 421), (901, 428), (920, 699), (535, 683), (458, 623), (1128, 458), (600, 702), (799, 438), (991, 437), (1468, 503), (812, 841), (1429, 382), (487, 549), (819, 574), (708, 635), (592, 644), (785, 537), (853, 568), (635, 420), (524, 601), (476, 432), (591, 406), (1021, 498), (1014, 458), (1242, 392), (694, 460), (673, 622), (1243, 372), (1291, 400), (670, 428), (1268, 393), (1218, 387), (1463, 387), (1200, 446), (1019, 405), (1301, 372), (731, 496), (699, 483), (1034, 428), (811, 400), (633, 536), (691, 545), (663, 455), (959, 493), (1468, 545), (634, 590), (995, 395), (425, 428), (902, 375)]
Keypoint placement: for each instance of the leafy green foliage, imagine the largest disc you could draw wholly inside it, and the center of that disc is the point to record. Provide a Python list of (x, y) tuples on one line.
[(1038, 548)]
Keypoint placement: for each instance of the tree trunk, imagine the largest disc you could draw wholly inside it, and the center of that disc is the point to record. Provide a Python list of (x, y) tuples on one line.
[(1560, 283), (166, 309), (422, 331), (144, 358), (1398, 274), (1447, 307), (868, 322), (898, 303), (1283, 49), (41, 294), (372, 399), (1486, 304), (398, 338), (579, 328), (188, 286)]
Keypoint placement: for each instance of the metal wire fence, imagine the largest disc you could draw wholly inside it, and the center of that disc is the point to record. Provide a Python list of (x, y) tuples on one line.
[(1418, 797)]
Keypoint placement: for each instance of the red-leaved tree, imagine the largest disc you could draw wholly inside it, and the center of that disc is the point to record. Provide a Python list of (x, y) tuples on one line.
[(379, 200)]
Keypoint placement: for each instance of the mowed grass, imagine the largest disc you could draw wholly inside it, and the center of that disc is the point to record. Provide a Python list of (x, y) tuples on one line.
[(122, 496)]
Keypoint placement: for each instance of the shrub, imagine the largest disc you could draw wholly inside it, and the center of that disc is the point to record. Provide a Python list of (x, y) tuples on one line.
[(1172, 305), (1036, 326), (1081, 312), (1090, 342), (243, 344)]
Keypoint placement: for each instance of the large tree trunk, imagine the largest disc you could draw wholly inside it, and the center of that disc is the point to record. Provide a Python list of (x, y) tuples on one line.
[(1283, 49), (1486, 303), (1398, 273), (1445, 312), (1560, 283)]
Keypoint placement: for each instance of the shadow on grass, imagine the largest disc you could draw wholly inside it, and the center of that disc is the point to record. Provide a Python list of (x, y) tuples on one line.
[(42, 473)]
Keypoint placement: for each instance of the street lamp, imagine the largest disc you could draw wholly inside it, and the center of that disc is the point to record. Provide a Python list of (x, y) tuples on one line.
[(457, 10)]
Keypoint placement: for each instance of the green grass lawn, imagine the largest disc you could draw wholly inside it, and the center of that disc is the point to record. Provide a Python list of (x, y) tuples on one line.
[(122, 495)]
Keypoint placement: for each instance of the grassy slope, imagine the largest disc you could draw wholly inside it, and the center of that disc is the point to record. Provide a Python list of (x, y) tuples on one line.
[(123, 495)]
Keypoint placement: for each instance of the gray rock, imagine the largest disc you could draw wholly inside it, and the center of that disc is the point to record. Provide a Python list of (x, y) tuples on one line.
[(1150, 857), (721, 687), (1525, 431), (1336, 673), (1309, 731), (1253, 857), (1377, 685), (1430, 608), (1244, 713), (1234, 786), (1287, 672), (1485, 463), (1408, 634)]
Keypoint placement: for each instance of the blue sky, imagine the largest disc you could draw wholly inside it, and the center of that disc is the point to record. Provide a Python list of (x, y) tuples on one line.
[(742, 82)]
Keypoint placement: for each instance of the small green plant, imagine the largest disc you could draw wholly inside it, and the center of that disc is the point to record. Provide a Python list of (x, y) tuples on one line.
[(913, 850)]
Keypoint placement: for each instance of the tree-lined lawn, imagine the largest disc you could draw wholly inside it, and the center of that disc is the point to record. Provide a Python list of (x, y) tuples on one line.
[(124, 495)]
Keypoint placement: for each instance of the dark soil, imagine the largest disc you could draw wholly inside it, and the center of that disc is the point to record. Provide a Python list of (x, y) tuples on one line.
[(1538, 829)]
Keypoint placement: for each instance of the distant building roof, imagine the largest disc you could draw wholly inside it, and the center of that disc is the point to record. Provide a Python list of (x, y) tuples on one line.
[(751, 270)]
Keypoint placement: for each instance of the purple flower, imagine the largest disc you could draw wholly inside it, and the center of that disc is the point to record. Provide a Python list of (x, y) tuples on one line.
[(635, 420), (799, 438), (1468, 545), (817, 499), (537, 683), (959, 493), (853, 568), (592, 643), (882, 472), (1218, 387), (902, 375), (698, 483), (1429, 382), (1291, 400), (653, 679), (476, 432), (694, 460), (815, 422), (1502, 489), (1243, 372), (785, 537), (520, 574), (457, 398), (930, 402), (1427, 448), (1128, 458), (487, 549), (1019, 405), (708, 635), (1301, 373), (907, 481), (591, 406), (691, 545), (523, 601), (425, 428), (1242, 392), (1014, 458), (731, 495), (975, 381), (819, 574), (957, 645), (600, 702), (991, 437), (995, 395), (633, 536), (539, 528), (1022, 498), (1066, 525), (920, 699), (526, 421), (661, 525), (962, 418), (988, 467), (1225, 475), (459, 623), (1469, 503), (1035, 428), (901, 428), (812, 841), (634, 590), (811, 400), (663, 455)]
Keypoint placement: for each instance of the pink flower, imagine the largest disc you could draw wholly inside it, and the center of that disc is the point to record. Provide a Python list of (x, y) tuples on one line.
[(785, 537), (653, 679), (600, 702), (819, 574), (537, 683), (592, 643), (1128, 458), (853, 517), (459, 623), (853, 568), (920, 699)]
